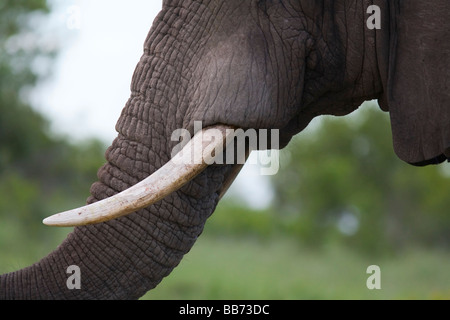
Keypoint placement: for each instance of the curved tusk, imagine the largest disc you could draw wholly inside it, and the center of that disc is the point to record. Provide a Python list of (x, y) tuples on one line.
[(169, 178)]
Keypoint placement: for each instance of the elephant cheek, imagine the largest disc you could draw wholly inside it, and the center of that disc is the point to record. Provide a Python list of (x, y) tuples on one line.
[(238, 83)]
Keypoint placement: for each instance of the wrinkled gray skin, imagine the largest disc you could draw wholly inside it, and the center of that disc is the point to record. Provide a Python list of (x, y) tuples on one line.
[(252, 64)]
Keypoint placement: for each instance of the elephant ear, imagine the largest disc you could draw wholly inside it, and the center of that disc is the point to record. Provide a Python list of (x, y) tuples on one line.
[(418, 86)]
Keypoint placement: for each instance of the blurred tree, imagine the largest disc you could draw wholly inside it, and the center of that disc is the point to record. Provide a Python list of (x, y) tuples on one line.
[(22, 130), (39, 172), (342, 181)]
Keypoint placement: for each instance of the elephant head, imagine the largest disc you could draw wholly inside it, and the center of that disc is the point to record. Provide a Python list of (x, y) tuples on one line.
[(243, 64)]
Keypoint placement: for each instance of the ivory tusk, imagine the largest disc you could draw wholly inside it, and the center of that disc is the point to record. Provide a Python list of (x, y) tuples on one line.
[(169, 178)]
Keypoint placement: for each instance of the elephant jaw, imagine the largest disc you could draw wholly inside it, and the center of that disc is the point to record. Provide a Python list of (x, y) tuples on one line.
[(169, 178)]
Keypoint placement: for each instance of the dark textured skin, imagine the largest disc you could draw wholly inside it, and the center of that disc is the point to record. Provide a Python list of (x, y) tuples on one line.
[(252, 64)]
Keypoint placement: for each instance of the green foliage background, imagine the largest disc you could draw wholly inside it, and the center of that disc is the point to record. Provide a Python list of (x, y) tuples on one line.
[(40, 173), (343, 201), (345, 175)]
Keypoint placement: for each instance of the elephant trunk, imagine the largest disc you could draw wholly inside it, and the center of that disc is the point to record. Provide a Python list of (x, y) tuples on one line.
[(126, 257)]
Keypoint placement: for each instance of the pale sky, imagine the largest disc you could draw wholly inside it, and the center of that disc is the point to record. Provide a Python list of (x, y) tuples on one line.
[(101, 42)]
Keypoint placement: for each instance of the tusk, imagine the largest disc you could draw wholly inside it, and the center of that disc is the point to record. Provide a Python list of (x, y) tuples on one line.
[(169, 178)]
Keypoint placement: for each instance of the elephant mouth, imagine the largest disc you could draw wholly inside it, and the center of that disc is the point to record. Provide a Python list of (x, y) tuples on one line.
[(183, 167)]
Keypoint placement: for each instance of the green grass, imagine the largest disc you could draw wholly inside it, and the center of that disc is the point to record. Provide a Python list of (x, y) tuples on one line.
[(281, 269)]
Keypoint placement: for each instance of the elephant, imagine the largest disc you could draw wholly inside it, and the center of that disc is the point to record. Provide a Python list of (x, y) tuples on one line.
[(261, 64)]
